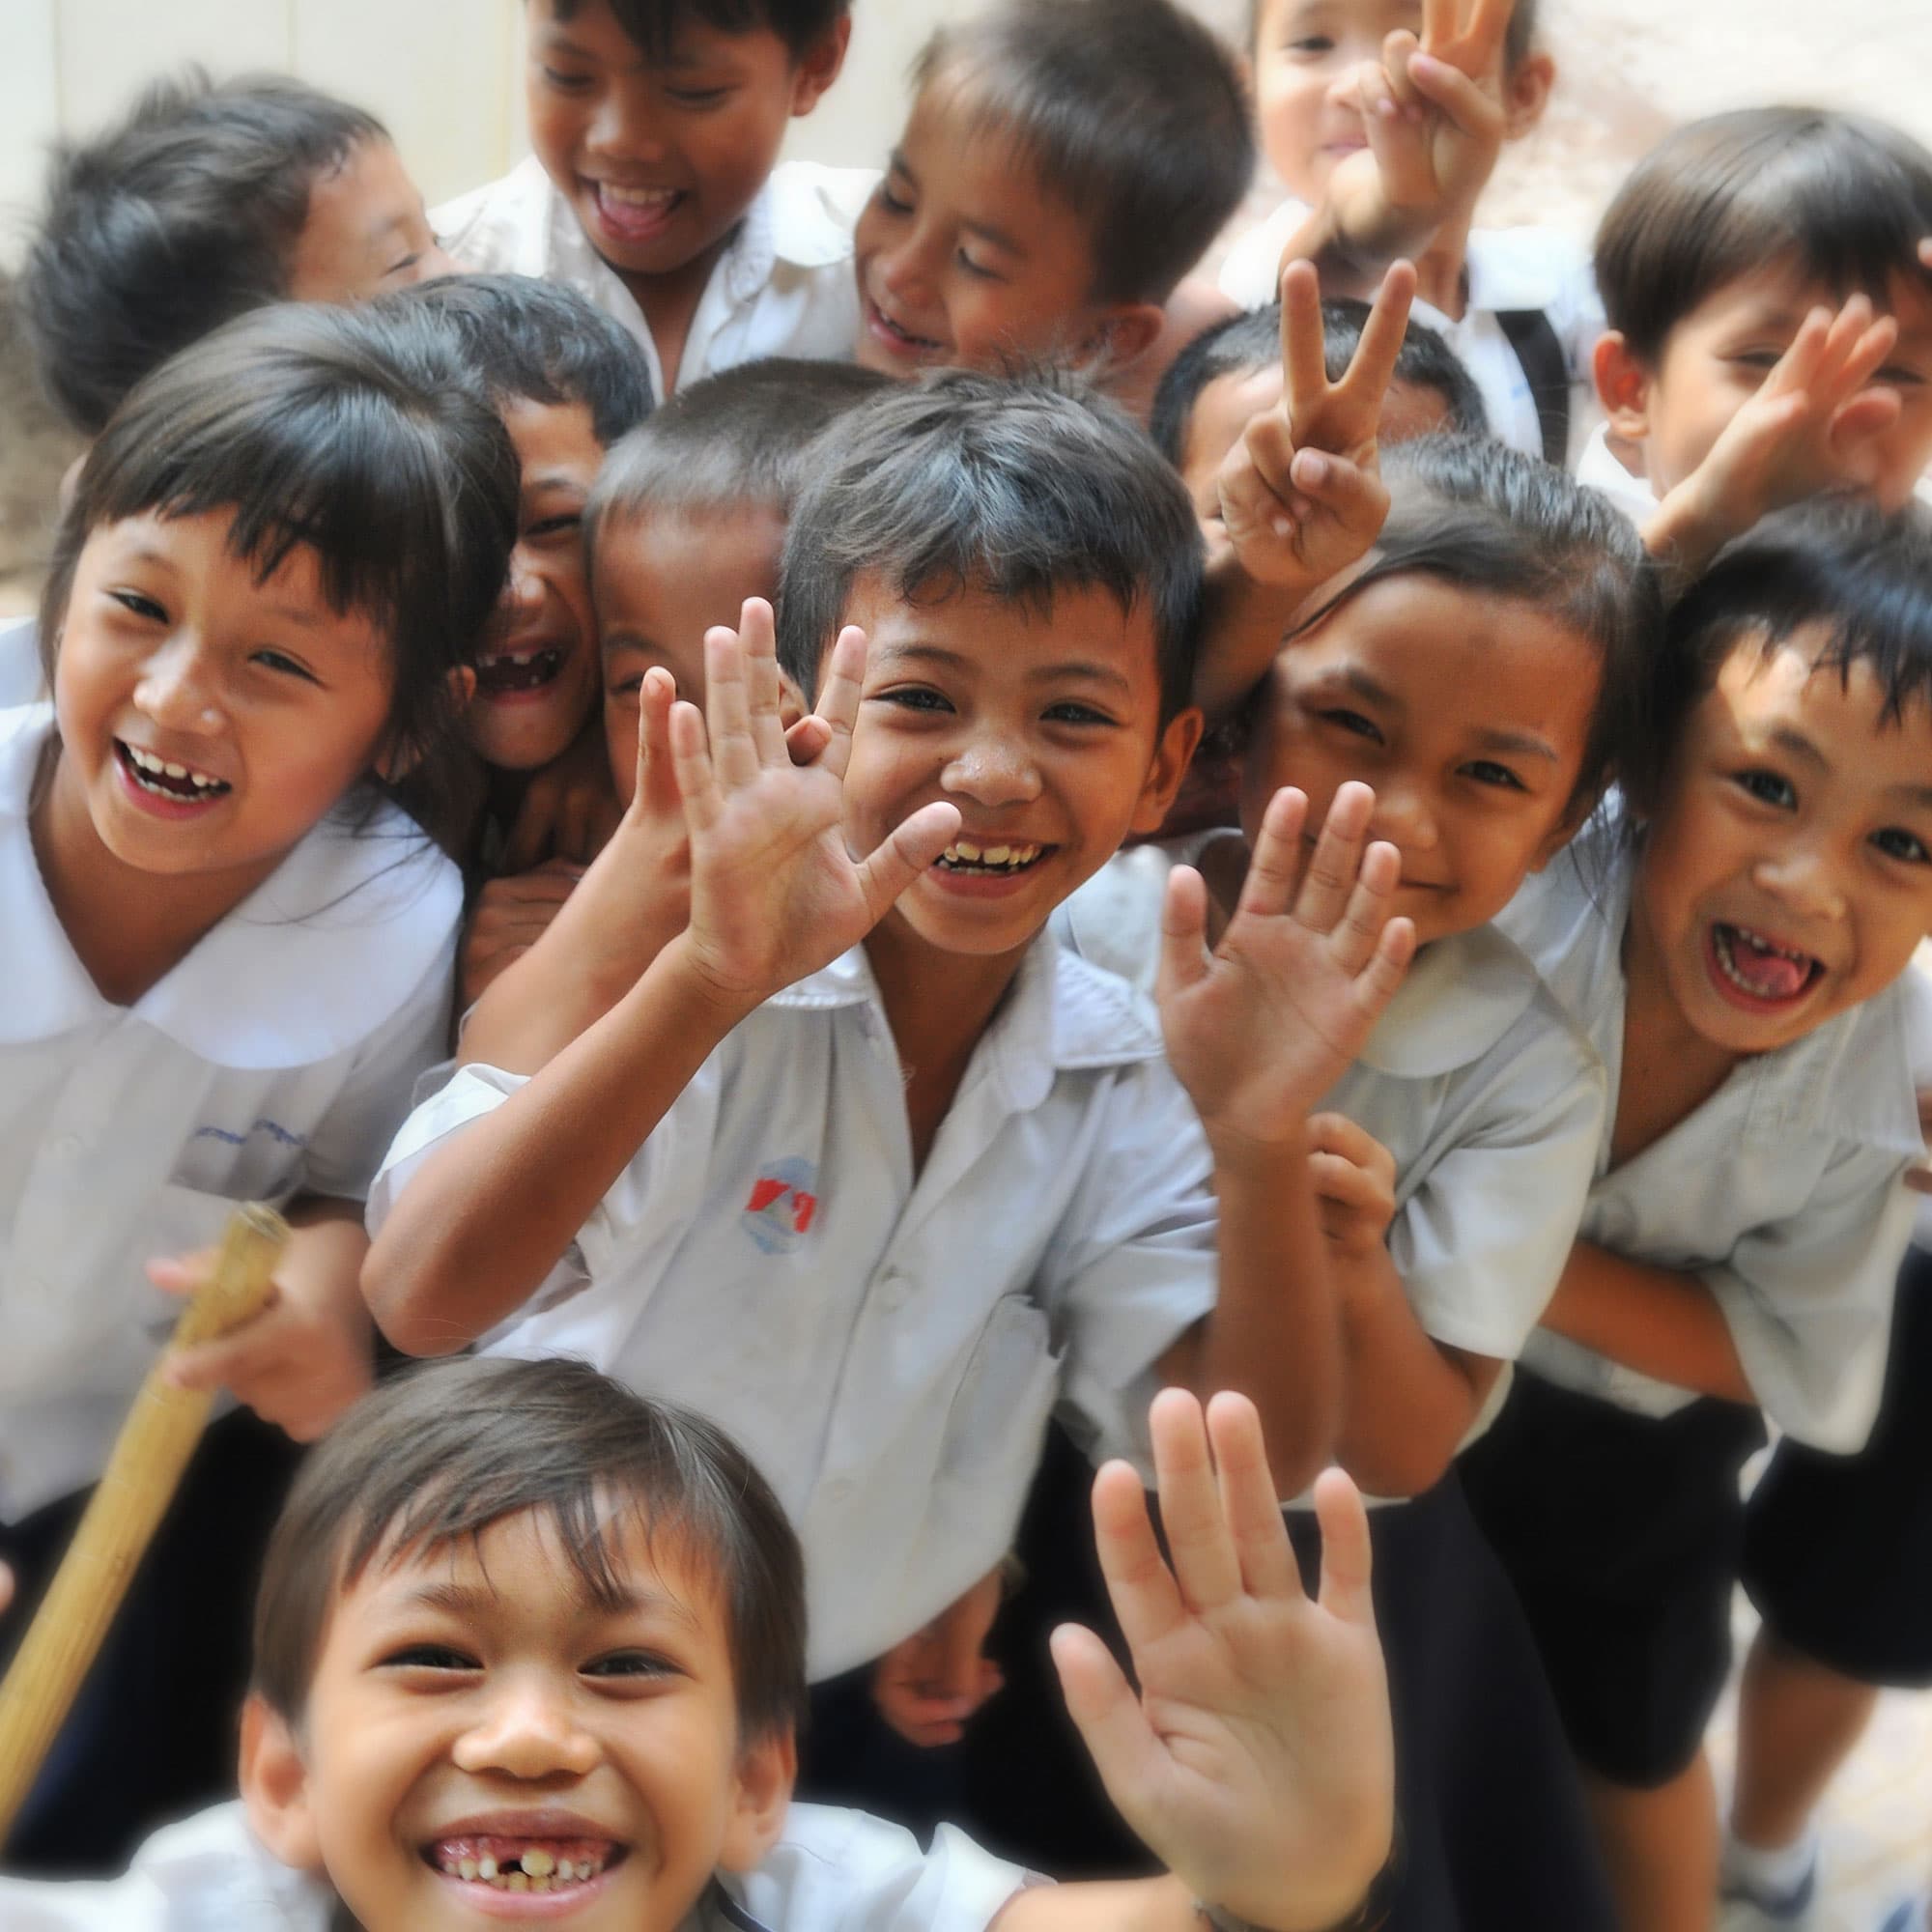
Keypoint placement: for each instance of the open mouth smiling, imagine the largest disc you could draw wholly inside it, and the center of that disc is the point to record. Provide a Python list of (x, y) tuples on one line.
[(1758, 970), (163, 778), (514, 674), (1000, 862)]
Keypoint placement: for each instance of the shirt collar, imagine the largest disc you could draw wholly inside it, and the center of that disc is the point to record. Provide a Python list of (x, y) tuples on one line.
[(1598, 469), (1460, 996), (319, 957), (1510, 268), (1061, 1014)]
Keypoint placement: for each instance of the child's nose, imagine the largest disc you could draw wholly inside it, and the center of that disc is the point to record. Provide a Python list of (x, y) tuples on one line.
[(992, 770), (175, 688), (529, 1731), (1404, 815), (619, 133), (523, 588), (906, 270), (1803, 878)]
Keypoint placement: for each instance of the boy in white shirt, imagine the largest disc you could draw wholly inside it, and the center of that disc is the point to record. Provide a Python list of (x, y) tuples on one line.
[(881, 1206), (1384, 144), (652, 189), (1769, 324), (528, 1648)]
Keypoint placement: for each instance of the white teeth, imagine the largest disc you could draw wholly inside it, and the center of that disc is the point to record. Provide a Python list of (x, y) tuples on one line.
[(486, 1867), (964, 852), (637, 197), (538, 1862), (965, 848), (465, 1868)]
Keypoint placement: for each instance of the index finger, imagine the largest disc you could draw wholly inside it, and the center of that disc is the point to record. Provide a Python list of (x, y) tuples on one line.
[(1371, 367), (1304, 367)]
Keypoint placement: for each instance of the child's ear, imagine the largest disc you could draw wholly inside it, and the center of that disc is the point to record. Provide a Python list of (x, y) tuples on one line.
[(395, 761), (1623, 386), (1526, 94), (760, 1799), (1123, 334), (818, 66), (1179, 737), (274, 1787)]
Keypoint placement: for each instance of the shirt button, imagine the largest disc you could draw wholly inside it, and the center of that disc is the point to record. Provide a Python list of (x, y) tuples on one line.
[(893, 1288)]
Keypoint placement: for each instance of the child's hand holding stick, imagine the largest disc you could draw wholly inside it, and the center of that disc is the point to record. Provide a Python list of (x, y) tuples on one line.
[(154, 1448)]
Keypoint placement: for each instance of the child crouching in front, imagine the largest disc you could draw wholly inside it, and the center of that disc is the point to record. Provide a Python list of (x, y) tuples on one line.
[(528, 1648)]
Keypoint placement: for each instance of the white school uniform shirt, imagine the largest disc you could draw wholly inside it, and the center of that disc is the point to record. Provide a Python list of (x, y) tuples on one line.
[(1600, 468), (278, 1057), (1783, 1190), (1486, 1096), (1507, 268), (887, 1350), (784, 286), (20, 679), (830, 1871)]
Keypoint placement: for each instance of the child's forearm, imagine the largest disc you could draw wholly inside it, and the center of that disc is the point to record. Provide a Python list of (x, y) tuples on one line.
[(1688, 529), (1657, 1320), (1411, 1400), (490, 1212), (1273, 1334), (604, 935)]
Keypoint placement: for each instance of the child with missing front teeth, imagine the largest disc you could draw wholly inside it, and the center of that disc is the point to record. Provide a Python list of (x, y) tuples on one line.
[(1735, 941), (1063, 165), (531, 1650), (655, 189)]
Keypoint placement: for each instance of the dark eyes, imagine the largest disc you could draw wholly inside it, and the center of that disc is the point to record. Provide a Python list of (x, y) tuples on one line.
[(973, 268), (1896, 843), (893, 204), (567, 83), (140, 606), (557, 526), (916, 698), (696, 96), (1768, 787), (1353, 723), (1071, 713), (1485, 771), (430, 1656), (631, 1664), (1311, 44)]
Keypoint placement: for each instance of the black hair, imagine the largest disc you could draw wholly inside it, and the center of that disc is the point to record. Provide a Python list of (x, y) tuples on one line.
[(530, 340), (1517, 37), (1842, 198), (357, 433), (1243, 344), (1021, 487), (742, 437), (1473, 513), (1857, 576), (180, 216), (1130, 110), (444, 1450), (654, 25)]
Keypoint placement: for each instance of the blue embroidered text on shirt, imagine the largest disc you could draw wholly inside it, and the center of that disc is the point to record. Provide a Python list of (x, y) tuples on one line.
[(780, 1210), (275, 1130)]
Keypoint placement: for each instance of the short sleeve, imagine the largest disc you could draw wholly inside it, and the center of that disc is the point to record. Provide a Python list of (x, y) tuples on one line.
[(1809, 1300), (1480, 1241), (1251, 272), (346, 1150), (1134, 1264), (471, 1092), (842, 1871)]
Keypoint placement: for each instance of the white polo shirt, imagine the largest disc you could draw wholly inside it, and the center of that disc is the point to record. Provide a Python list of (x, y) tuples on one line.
[(276, 1059), (20, 679), (888, 1349), (1781, 1190), (1507, 268), (783, 285), (1484, 1092), (1600, 468), (832, 1871)]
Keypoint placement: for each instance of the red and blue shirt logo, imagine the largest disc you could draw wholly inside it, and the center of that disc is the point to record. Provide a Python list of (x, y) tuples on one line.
[(782, 1206)]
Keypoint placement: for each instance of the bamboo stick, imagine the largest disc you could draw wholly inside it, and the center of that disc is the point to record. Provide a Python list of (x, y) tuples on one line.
[(126, 1506)]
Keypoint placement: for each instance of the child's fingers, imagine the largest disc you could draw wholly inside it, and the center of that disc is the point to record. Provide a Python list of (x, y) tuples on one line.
[(1868, 351), (1183, 934), (1368, 909), (727, 710), (1353, 1143), (1140, 1586), (838, 692), (1248, 1500), (1345, 1549), (1275, 867), (690, 762), (1198, 1545), (657, 781), (1398, 49), (1349, 497), (1381, 979), (1304, 369), (762, 680), (905, 853), (806, 741), (1460, 98), (1339, 1180), (1438, 22), (236, 1361), (1107, 1714), (1372, 364), (1869, 413), (182, 1274), (1333, 869), (1477, 45)]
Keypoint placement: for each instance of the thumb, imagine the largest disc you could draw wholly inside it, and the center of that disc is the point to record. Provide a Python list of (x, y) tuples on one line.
[(1108, 1716), (906, 853)]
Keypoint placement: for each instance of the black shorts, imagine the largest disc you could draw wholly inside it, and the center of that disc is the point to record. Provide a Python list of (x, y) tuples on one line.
[(1838, 1548), (1622, 1534)]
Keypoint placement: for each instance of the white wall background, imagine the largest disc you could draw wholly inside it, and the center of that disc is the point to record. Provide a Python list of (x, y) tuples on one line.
[(445, 75)]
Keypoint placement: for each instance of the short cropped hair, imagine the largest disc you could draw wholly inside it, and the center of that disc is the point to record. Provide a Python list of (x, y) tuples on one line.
[(1244, 344), (742, 437), (444, 1450), (179, 216), (355, 432), (1842, 197), (1020, 487), (1861, 576), (1518, 36), (1131, 111), (1473, 513), (654, 25), (530, 340)]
